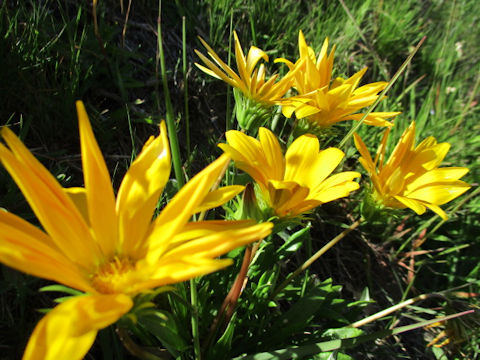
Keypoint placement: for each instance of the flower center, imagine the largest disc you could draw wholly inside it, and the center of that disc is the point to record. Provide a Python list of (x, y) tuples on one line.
[(113, 277)]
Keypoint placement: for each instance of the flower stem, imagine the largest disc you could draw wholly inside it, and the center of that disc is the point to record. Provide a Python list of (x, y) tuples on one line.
[(172, 131), (194, 320), (185, 84), (315, 257), (225, 312)]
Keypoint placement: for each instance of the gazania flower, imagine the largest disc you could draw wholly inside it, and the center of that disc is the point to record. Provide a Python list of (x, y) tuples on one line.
[(324, 102), (250, 81), (110, 248), (293, 184), (411, 176)]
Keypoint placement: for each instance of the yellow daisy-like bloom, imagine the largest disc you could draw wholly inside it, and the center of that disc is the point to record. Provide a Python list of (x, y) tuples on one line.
[(296, 183), (250, 81), (324, 102), (110, 248), (411, 176)]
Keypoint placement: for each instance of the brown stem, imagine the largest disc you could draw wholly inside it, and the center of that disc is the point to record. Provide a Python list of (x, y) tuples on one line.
[(225, 312)]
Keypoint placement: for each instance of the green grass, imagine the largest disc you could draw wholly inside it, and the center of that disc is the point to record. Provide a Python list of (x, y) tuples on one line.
[(51, 57)]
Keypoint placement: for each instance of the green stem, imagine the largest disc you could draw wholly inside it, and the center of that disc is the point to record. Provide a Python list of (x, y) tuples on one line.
[(185, 83), (195, 331), (315, 257), (229, 117), (382, 94), (172, 131)]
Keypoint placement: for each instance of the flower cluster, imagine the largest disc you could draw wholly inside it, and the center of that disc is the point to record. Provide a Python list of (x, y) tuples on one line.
[(321, 101), (297, 183), (112, 248)]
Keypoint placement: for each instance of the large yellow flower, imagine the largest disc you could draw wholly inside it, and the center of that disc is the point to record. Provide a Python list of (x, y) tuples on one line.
[(411, 176), (250, 81), (296, 183), (324, 102), (110, 248)]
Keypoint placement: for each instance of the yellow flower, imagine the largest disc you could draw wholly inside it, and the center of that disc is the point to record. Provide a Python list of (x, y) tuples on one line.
[(411, 176), (250, 81), (293, 184), (324, 102), (110, 248)]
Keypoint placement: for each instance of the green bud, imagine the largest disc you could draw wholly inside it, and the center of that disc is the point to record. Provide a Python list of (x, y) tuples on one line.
[(251, 114)]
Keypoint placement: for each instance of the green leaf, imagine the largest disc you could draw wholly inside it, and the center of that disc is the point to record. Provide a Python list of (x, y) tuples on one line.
[(163, 326), (61, 288), (299, 352), (221, 349)]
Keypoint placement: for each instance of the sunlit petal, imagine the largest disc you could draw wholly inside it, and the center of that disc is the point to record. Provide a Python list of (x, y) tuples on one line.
[(26, 248), (219, 197), (98, 185), (57, 213), (183, 205), (297, 182), (411, 177), (337, 100), (68, 331), (140, 190)]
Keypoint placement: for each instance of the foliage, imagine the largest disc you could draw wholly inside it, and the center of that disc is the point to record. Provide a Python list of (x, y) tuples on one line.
[(52, 56)]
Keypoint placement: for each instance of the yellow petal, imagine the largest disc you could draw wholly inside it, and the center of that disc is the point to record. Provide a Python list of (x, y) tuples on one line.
[(306, 165), (179, 210), (306, 110), (193, 258), (372, 119), (436, 176), (98, 186), (437, 210), (253, 57), (340, 179), (242, 163), (290, 65), (241, 63), (69, 330), (248, 155), (287, 109), (78, 196), (179, 270), (302, 44), (214, 71), (219, 197), (219, 61), (218, 243), (299, 157), (197, 229), (57, 213), (273, 154), (286, 197), (246, 145), (440, 193), (429, 157), (26, 248), (401, 150), (362, 149), (413, 204), (337, 191), (140, 190)]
